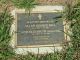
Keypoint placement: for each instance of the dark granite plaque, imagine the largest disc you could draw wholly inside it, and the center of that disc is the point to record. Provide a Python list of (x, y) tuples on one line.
[(39, 29)]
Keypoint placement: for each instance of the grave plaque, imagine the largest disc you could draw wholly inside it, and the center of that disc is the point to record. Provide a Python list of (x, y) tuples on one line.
[(39, 29)]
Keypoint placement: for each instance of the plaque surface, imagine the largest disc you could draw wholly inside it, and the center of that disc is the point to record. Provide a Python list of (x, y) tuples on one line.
[(39, 29)]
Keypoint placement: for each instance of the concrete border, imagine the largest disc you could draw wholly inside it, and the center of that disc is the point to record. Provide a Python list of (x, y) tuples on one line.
[(37, 49)]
